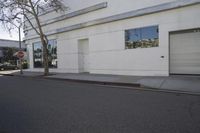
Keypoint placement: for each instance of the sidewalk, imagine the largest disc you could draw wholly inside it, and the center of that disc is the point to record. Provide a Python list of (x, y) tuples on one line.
[(186, 84), (172, 83)]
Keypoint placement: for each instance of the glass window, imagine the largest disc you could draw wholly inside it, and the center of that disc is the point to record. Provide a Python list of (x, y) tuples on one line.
[(52, 49), (38, 54), (142, 37)]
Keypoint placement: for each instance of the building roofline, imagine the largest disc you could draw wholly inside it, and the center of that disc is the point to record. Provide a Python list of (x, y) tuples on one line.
[(131, 14), (9, 40)]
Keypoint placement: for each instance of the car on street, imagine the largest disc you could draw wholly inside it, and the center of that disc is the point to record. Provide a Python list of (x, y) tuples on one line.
[(8, 66)]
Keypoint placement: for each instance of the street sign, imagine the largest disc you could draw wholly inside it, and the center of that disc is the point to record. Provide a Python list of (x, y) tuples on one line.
[(20, 54)]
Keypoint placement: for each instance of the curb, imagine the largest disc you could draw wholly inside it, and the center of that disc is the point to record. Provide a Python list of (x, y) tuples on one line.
[(126, 86), (145, 88), (97, 82), (7, 74), (83, 81), (24, 76), (111, 84)]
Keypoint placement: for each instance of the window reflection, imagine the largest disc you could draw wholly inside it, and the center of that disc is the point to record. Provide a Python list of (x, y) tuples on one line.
[(38, 54), (52, 57), (142, 37)]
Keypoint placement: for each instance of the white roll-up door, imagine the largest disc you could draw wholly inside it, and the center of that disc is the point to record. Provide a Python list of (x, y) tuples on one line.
[(185, 52)]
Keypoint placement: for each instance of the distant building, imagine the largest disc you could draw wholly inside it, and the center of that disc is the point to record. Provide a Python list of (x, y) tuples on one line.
[(124, 37), (5, 44)]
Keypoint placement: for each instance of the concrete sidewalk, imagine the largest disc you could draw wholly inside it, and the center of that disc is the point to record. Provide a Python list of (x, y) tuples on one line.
[(186, 84), (189, 84)]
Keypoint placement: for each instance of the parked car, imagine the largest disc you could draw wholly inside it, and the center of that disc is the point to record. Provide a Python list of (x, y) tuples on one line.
[(8, 66)]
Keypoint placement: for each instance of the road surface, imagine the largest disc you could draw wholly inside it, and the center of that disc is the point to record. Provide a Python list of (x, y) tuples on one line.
[(29, 105)]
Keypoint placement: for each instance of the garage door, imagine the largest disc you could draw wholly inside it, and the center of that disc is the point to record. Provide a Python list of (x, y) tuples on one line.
[(185, 52)]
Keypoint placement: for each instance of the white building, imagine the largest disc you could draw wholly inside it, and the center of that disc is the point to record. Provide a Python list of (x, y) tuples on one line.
[(123, 37)]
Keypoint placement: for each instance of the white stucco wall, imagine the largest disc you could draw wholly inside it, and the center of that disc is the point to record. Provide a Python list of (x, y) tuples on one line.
[(114, 7), (107, 43)]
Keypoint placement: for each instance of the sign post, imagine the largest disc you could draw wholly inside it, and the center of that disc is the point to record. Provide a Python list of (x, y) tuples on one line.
[(20, 55)]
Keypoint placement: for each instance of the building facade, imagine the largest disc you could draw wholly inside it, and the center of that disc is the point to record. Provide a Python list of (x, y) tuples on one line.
[(140, 37)]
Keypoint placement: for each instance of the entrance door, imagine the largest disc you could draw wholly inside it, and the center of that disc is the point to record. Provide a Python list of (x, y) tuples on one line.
[(83, 57), (185, 52)]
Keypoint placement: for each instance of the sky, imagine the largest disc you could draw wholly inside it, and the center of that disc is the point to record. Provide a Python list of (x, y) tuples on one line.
[(5, 34)]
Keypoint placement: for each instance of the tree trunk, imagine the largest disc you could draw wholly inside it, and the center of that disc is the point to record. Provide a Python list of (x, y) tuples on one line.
[(43, 40), (45, 57)]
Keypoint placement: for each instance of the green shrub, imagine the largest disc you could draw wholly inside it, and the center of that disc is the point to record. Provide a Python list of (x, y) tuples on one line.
[(24, 65)]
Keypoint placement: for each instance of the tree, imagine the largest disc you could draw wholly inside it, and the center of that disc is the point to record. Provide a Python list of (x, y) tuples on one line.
[(12, 12), (8, 55)]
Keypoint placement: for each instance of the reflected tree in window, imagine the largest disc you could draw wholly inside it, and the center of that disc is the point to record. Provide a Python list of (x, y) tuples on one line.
[(52, 54), (142, 37)]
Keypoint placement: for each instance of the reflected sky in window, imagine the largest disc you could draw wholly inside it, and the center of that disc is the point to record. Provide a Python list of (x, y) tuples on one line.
[(142, 33)]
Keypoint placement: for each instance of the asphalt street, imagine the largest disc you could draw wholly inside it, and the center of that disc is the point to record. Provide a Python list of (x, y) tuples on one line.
[(29, 105)]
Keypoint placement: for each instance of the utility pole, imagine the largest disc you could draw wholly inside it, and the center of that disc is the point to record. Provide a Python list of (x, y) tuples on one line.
[(20, 48), (20, 45)]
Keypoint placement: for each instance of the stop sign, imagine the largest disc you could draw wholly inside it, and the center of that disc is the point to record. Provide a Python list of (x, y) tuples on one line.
[(20, 54)]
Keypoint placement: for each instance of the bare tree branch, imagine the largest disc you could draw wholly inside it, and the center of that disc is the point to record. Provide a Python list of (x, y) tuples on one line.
[(36, 3), (13, 11), (31, 24)]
